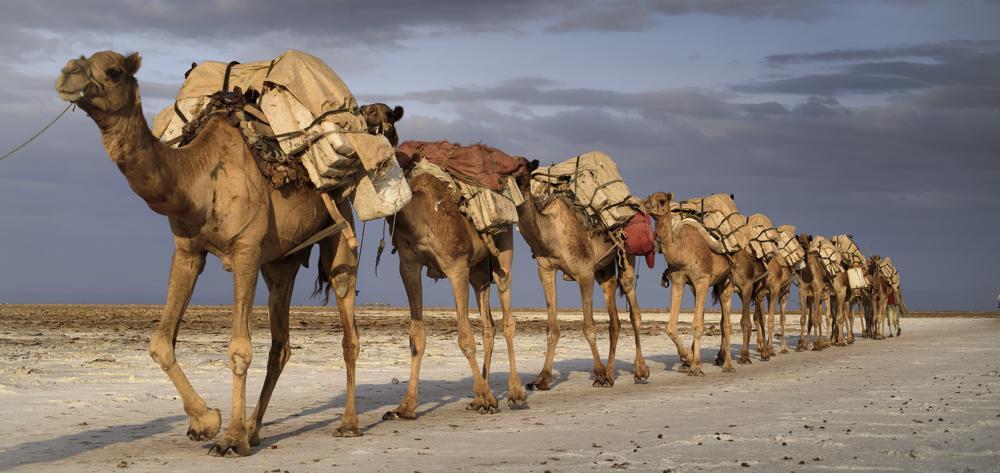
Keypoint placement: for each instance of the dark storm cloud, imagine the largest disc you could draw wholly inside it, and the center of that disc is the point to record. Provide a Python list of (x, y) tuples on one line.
[(377, 22), (941, 51), (963, 67)]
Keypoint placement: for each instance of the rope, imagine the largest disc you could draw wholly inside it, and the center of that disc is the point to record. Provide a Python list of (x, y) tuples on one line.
[(36, 135)]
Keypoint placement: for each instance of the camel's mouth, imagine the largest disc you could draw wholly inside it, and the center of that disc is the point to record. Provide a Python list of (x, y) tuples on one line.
[(72, 96)]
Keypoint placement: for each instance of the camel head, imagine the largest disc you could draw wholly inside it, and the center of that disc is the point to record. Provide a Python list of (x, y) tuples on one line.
[(523, 174), (658, 204), (381, 120), (104, 82)]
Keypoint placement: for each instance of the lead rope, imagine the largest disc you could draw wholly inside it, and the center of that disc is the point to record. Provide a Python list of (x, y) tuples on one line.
[(36, 135)]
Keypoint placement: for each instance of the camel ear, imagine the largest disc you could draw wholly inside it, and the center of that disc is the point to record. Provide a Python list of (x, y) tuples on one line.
[(732, 196), (397, 114), (132, 63), (670, 196)]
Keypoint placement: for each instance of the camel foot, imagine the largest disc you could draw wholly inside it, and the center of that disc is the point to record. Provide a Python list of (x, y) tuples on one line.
[(728, 368), (603, 382), (516, 399), (484, 403), (205, 426), (744, 360), (817, 347), (641, 373), (234, 443), (399, 413), (850, 341), (348, 431), (541, 383), (720, 361), (784, 350), (695, 371)]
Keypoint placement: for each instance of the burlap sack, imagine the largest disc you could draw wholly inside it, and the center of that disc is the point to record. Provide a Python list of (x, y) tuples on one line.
[(719, 215), (489, 211), (789, 249), (828, 255), (889, 272), (593, 181), (764, 240), (849, 251)]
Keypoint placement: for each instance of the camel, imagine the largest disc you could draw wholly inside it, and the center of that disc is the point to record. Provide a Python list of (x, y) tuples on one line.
[(431, 231), (812, 288), (879, 297), (693, 258), (775, 288), (560, 239), (747, 271), (217, 201)]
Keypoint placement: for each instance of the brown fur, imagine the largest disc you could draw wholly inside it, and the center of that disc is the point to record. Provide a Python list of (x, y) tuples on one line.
[(561, 240), (691, 261), (775, 288), (432, 232), (879, 298), (217, 201)]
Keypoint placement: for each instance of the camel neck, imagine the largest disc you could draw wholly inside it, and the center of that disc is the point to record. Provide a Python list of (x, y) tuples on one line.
[(665, 232), (528, 220), (149, 166)]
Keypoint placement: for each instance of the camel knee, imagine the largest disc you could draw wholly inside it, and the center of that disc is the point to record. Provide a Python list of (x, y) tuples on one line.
[(468, 345), (509, 327), (343, 283), (281, 351), (416, 346), (162, 352), (351, 345), (240, 355), (590, 331)]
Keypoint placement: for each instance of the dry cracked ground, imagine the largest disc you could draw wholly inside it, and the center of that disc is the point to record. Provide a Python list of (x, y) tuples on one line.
[(78, 392)]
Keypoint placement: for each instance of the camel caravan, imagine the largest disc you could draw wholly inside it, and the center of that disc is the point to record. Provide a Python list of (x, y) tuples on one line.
[(257, 163)]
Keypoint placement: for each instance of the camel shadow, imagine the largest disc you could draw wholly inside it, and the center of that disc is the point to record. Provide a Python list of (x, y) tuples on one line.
[(69, 445)]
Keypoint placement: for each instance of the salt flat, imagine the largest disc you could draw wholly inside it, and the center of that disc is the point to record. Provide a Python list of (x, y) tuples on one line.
[(78, 392)]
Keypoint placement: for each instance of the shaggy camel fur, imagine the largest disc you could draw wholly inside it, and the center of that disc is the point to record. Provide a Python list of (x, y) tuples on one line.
[(432, 232), (560, 239), (217, 201), (879, 298), (688, 250), (775, 288)]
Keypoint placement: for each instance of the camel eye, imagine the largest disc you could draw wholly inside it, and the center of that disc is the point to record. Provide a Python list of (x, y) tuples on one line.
[(113, 73)]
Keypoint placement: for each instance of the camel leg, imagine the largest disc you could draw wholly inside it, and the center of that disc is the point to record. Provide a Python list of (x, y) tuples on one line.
[(850, 322), (817, 320), (698, 327), (726, 350), (343, 279), (803, 316), (409, 272), (505, 261), (746, 326), (280, 279), (841, 320), (783, 306), (676, 296), (641, 372), (204, 423), (480, 280), (246, 264), (547, 276), (767, 348), (601, 375), (614, 323), (484, 402)]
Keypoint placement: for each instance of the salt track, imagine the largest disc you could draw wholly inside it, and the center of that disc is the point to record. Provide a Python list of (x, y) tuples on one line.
[(78, 392)]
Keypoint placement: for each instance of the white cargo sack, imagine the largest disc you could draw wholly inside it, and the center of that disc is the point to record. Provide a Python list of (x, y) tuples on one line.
[(856, 278), (592, 179), (312, 115), (719, 215), (489, 211)]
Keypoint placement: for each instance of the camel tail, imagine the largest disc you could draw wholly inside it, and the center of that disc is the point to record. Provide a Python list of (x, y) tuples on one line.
[(717, 291), (902, 303), (322, 285)]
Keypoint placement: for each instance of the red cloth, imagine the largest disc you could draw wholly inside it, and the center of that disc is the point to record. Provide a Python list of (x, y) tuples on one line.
[(639, 237), (892, 298), (477, 164)]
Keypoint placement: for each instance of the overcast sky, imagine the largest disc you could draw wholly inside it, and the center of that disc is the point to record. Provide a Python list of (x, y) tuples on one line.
[(875, 118)]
